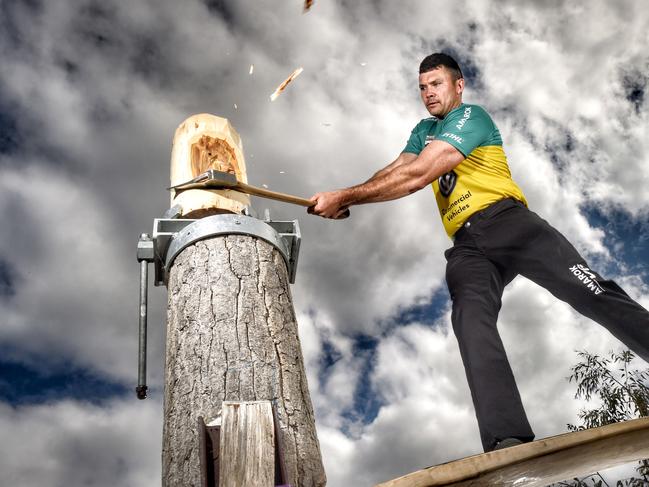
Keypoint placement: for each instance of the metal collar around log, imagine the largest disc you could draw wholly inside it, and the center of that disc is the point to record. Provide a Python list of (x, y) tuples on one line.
[(171, 236)]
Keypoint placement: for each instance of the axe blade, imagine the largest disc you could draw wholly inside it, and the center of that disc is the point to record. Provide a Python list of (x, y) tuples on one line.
[(211, 176)]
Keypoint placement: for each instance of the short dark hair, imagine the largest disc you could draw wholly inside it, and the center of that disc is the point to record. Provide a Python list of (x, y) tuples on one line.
[(438, 59)]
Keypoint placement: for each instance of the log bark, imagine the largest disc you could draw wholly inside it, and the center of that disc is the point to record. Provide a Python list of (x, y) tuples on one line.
[(232, 336)]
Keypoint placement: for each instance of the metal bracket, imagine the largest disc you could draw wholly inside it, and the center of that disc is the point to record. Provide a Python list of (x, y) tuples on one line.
[(171, 236)]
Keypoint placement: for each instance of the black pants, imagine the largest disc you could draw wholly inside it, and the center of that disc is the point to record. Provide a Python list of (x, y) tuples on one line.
[(493, 246)]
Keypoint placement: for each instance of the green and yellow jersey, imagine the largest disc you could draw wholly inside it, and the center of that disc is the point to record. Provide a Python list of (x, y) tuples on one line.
[(479, 180)]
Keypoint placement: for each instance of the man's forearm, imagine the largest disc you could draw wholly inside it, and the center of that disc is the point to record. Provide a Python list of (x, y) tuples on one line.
[(407, 174), (402, 159), (404, 177), (380, 173), (388, 184)]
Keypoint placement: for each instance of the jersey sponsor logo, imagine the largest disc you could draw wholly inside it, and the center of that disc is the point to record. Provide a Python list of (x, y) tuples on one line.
[(465, 117), (454, 137), (429, 139), (587, 277), (447, 183), (457, 207)]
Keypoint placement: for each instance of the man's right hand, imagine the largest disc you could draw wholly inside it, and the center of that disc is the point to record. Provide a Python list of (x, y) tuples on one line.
[(329, 204)]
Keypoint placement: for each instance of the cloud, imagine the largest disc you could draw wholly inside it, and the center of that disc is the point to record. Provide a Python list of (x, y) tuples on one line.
[(118, 443), (91, 95)]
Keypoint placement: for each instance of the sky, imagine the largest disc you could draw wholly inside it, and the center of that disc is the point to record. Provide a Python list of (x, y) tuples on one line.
[(90, 95)]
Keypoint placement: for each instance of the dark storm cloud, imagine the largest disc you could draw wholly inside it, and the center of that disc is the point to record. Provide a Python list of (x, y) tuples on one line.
[(7, 280)]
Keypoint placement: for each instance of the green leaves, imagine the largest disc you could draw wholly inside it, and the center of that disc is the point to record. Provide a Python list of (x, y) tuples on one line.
[(622, 394)]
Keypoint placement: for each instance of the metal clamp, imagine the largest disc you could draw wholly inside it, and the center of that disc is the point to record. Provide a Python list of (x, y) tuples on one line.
[(172, 236)]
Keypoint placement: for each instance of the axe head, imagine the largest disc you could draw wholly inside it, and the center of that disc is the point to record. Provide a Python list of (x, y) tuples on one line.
[(211, 178)]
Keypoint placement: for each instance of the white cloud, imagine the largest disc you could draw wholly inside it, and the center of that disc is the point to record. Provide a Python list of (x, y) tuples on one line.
[(57, 238), (97, 92), (72, 443)]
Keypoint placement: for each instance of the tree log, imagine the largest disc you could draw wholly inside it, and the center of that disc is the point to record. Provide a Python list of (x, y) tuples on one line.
[(232, 336)]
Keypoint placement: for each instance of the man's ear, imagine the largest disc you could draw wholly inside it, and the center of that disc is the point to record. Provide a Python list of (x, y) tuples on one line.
[(459, 86)]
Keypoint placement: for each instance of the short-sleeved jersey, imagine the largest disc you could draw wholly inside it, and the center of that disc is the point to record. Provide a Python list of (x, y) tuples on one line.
[(479, 180)]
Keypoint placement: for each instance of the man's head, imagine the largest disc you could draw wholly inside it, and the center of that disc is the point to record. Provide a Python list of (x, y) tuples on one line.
[(440, 83)]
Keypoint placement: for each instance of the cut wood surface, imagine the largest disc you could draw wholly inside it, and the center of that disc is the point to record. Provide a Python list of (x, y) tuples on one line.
[(247, 449), (541, 462), (203, 142)]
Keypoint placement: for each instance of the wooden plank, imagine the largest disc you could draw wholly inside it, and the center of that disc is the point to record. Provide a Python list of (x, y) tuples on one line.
[(541, 462), (247, 449)]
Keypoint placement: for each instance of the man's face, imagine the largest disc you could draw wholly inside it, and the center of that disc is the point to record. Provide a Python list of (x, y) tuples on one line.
[(439, 92)]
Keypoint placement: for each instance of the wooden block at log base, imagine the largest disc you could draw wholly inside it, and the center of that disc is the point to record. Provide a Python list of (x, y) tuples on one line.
[(203, 142), (247, 450)]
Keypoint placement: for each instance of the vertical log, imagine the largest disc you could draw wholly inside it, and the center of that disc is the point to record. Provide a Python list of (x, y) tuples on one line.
[(232, 336), (231, 328)]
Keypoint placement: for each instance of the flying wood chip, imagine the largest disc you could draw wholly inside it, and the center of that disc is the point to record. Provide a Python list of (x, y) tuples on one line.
[(307, 4), (285, 83)]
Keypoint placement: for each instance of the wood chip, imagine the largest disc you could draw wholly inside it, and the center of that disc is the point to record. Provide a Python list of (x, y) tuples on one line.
[(285, 83), (307, 5)]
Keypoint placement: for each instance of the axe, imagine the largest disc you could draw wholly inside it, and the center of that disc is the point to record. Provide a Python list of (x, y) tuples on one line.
[(213, 179)]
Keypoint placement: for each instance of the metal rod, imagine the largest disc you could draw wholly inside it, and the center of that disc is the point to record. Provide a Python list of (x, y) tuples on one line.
[(141, 364)]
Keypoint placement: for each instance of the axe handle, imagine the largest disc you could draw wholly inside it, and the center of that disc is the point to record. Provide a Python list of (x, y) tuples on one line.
[(274, 195), (252, 190)]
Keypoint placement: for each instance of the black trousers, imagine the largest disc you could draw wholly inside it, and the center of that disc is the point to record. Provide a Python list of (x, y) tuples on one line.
[(493, 246)]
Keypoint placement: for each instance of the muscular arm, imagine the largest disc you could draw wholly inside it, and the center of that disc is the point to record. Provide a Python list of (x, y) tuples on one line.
[(395, 181), (404, 158)]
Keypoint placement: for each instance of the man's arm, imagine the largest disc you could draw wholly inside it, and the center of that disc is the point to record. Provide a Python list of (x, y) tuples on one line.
[(404, 158), (400, 180)]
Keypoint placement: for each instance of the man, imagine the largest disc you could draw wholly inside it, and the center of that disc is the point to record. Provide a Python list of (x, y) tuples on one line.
[(495, 237)]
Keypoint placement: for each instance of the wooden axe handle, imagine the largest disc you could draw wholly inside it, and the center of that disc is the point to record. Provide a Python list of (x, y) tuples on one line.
[(274, 195), (215, 180)]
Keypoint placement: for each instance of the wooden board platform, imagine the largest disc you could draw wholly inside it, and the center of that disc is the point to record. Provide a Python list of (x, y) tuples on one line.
[(541, 462)]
